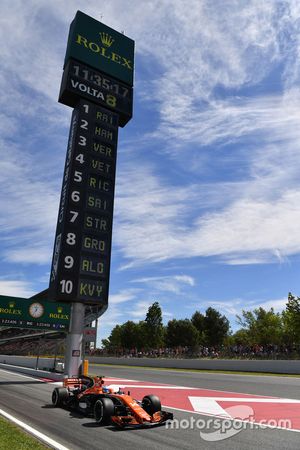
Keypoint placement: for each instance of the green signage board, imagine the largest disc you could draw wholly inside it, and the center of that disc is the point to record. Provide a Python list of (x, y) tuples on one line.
[(102, 48), (33, 313)]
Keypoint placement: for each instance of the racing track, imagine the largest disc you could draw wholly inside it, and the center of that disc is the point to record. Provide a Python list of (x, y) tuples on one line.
[(28, 399)]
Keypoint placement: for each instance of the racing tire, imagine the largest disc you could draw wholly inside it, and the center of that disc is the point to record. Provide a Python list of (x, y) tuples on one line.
[(151, 404), (59, 396), (104, 408)]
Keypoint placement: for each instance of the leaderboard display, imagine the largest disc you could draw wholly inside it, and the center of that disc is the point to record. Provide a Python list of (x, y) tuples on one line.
[(82, 249)]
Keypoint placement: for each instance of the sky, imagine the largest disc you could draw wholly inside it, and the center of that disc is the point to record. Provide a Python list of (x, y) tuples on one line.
[(207, 204)]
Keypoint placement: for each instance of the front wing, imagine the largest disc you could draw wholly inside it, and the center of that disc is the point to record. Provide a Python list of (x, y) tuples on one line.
[(157, 418)]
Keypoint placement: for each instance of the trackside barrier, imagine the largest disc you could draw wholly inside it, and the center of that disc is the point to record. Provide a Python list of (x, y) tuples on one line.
[(36, 373), (28, 365), (263, 366), (271, 366)]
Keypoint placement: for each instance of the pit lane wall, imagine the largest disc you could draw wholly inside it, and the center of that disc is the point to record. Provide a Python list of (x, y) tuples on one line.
[(263, 366), (41, 367)]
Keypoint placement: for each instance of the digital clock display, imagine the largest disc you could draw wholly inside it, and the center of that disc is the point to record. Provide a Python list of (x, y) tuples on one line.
[(80, 81), (100, 80)]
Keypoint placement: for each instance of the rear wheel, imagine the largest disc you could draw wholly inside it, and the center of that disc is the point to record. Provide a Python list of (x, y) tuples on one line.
[(151, 404), (59, 396), (103, 410)]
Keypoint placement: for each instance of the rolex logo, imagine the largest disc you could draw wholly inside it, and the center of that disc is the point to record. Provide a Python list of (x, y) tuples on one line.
[(106, 39), (11, 304), (59, 309)]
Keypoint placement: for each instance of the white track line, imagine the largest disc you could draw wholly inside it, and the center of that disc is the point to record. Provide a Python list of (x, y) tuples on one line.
[(26, 427), (151, 386), (34, 432), (21, 375)]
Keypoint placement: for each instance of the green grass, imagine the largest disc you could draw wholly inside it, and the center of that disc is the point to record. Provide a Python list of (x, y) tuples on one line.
[(229, 372), (12, 438)]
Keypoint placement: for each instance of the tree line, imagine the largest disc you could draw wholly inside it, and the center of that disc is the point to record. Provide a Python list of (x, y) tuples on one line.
[(211, 329)]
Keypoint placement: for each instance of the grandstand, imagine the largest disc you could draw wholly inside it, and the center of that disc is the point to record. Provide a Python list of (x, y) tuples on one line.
[(24, 342)]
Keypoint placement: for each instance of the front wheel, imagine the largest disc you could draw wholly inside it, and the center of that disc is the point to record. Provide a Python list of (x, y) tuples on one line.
[(59, 396), (151, 404), (103, 410)]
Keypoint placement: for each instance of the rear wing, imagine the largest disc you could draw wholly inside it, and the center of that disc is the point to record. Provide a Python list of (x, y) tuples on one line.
[(78, 382)]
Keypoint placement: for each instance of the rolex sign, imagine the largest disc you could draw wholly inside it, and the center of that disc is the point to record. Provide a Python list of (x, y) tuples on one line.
[(100, 47)]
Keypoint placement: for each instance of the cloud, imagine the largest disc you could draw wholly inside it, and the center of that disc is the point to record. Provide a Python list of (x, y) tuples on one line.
[(39, 58), (249, 226), (277, 304), (172, 283), (30, 202), (185, 279), (140, 309), (272, 118), (201, 51), (123, 296), (222, 52), (232, 307), (252, 219), (258, 224), (16, 288)]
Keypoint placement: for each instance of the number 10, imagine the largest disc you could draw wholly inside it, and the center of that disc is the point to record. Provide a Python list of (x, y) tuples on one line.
[(66, 286)]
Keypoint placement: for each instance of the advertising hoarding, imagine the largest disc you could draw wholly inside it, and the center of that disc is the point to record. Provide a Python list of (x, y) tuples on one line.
[(31, 313), (95, 44)]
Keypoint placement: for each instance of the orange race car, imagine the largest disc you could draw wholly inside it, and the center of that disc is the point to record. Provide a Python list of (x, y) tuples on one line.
[(91, 397)]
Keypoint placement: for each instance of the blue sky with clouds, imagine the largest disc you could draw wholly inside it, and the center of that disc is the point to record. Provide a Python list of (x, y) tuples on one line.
[(207, 206)]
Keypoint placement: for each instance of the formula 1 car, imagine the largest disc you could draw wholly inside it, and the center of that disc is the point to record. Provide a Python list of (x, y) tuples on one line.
[(91, 397)]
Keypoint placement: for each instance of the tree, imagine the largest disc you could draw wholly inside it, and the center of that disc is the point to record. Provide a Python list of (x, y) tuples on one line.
[(198, 320), (216, 327), (154, 326), (240, 337), (130, 336), (126, 336), (291, 319), (114, 341), (263, 327), (181, 333)]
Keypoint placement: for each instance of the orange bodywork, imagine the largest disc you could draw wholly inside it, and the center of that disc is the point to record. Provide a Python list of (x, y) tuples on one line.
[(137, 415)]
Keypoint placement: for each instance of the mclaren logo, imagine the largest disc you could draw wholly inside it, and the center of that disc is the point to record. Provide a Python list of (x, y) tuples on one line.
[(104, 52)]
